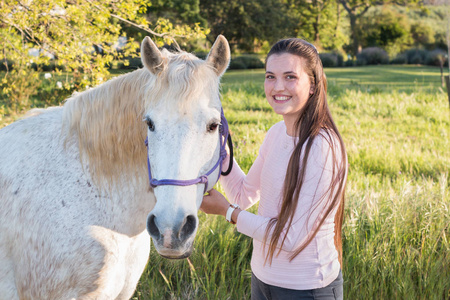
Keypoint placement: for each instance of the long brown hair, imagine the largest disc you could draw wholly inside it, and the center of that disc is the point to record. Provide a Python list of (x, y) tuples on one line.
[(313, 119)]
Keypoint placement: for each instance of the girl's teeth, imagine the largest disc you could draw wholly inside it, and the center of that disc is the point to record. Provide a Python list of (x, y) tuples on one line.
[(281, 98)]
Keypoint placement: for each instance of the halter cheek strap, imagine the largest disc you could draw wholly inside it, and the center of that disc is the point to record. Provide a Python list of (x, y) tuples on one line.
[(203, 179)]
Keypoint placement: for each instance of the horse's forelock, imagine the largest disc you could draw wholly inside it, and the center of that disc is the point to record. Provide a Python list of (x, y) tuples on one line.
[(187, 77)]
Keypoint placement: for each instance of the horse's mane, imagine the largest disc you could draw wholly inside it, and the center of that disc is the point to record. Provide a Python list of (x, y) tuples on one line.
[(106, 122)]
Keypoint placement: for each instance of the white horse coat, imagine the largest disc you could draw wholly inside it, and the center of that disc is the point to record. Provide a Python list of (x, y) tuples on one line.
[(74, 189)]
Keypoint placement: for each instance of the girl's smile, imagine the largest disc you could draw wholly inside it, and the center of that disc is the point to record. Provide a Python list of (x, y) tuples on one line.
[(281, 99)]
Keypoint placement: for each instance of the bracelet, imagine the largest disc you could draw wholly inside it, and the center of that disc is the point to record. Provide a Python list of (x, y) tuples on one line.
[(230, 211)]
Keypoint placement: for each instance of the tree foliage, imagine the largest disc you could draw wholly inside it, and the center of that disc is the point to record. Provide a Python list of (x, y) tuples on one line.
[(80, 35), (386, 29), (85, 37), (356, 9), (319, 22), (177, 11), (247, 24)]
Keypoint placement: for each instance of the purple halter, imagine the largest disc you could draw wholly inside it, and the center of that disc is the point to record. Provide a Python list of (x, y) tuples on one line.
[(224, 132)]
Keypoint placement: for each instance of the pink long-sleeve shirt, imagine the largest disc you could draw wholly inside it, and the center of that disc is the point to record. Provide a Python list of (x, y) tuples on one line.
[(317, 265)]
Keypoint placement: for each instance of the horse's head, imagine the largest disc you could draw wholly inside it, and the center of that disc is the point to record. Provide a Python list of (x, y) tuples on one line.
[(183, 119)]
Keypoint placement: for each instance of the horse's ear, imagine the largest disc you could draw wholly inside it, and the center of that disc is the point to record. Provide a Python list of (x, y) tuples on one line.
[(151, 56), (219, 56)]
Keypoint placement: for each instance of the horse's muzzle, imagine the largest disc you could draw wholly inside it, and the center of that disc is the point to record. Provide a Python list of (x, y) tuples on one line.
[(174, 242)]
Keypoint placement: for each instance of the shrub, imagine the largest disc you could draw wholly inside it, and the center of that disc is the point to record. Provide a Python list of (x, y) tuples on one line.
[(332, 59), (17, 89), (51, 91), (416, 56), (246, 62), (340, 59), (237, 65), (361, 61), (131, 63), (135, 63), (240, 62), (201, 54), (435, 57), (6, 65), (400, 59), (372, 56), (48, 67), (349, 63), (328, 60), (417, 59), (51, 66)]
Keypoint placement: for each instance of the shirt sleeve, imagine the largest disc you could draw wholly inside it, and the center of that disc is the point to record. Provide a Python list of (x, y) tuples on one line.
[(313, 198), (241, 189)]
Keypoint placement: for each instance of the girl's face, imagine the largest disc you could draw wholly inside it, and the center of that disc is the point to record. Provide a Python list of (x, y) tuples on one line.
[(287, 87)]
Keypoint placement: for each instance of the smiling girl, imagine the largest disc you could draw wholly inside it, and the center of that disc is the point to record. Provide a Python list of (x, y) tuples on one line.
[(299, 180)]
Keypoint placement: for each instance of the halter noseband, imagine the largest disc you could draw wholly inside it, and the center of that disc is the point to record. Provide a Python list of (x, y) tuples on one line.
[(224, 132)]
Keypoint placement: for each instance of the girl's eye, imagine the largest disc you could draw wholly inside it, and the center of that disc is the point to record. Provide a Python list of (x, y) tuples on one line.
[(150, 124), (213, 126), (270, 77), (290, 77)]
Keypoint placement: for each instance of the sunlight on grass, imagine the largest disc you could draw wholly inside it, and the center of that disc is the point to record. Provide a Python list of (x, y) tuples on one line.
[(396, 230), (395, 122)]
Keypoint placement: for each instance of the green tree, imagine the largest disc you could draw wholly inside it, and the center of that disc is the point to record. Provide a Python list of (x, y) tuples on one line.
[(247, 24), (180, 12), (177, 11), (80, 37), (357, 8), (318, 21), (422, 34), (387, 29)]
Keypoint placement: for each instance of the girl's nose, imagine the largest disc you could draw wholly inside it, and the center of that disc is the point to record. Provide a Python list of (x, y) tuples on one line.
[(279, 85)]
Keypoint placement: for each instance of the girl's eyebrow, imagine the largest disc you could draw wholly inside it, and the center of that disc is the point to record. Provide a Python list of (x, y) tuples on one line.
[(287, 72)]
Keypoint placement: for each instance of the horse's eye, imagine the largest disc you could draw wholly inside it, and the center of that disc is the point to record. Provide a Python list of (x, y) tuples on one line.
[(150, 124), (213, 126)]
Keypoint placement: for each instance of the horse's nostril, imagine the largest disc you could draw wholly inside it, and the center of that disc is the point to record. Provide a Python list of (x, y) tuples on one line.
[(152, 228), (188, 227)]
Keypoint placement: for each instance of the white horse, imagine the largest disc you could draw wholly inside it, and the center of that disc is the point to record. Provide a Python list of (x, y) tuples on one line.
[(74, 184)]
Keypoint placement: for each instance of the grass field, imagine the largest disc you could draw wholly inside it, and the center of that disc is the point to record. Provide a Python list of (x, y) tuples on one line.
[(401, 77), (395, 121)]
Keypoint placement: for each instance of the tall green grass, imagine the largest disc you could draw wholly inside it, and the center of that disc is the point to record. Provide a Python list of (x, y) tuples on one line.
[(395, 122), (396, 231)]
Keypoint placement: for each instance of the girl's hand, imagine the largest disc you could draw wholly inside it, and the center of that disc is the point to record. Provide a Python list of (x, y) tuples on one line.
[(214, 203)]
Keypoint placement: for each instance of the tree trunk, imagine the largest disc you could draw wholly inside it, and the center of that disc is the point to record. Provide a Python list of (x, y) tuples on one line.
[(338, 19), (354, 34), (316, 25), (355, 12)]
